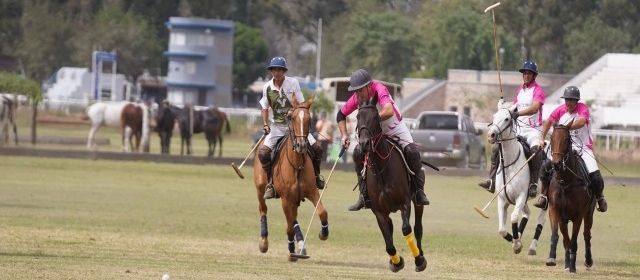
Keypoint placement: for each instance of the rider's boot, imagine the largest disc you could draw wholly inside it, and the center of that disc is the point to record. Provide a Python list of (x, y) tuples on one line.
[(316, 159), (413, 160), (545, 178), (490, 183), (264, 154), (534, 167), (363, 198), (597, 186)]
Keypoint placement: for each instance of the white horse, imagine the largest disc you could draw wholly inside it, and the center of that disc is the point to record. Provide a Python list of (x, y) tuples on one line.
[(512, 170), (112, 115), (8, 119)]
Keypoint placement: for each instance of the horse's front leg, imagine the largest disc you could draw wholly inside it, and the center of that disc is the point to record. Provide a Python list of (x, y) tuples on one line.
[(553, 244), (314, 197), (219, 139), (566, 242), (396, 262), (574, 244), (516, 229), (502, 219), (420, 261), (290, 210), (588, 223)]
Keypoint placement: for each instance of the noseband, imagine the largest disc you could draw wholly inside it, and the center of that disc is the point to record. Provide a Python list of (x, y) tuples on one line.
[(501, 130)]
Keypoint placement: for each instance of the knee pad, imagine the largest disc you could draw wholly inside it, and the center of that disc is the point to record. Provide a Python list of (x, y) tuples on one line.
[(413, 157), (264, 154), (597, 183)]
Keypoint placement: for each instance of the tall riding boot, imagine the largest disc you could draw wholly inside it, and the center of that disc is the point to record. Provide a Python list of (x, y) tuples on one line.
[(545, 178), (417, 180), (597, 186), (265, 158), (534, 167), (363, 198), (316, 159), (490, 183)]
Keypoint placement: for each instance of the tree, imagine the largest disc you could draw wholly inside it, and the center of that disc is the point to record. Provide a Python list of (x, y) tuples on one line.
[(382, 43), (127, 33), (10, 13), (45, 44), (249, 56), (13, 83)]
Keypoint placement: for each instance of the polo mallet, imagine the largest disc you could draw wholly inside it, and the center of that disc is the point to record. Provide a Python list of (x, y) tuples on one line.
[(237, 168), (326, 185), (481, 212), (495, 44)]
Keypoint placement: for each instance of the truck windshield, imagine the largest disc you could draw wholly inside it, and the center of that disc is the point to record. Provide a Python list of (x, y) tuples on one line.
[(439, 122)]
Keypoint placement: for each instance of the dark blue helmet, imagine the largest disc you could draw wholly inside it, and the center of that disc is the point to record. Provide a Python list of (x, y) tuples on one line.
[(529, 65), (278, 62), (359, 79), (571, 92)]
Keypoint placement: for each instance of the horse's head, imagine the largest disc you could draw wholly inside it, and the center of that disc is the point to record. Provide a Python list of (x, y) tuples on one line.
[(368, 127), (299, 120), (502, 125), (560, 145)]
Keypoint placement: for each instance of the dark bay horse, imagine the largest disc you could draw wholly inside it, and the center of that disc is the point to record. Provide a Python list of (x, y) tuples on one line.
[(388, 186), (293, 179), (570, 199), (209, 121), (165, 123)]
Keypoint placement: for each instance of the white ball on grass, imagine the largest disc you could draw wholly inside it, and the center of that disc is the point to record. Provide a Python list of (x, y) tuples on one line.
[(165, 277)]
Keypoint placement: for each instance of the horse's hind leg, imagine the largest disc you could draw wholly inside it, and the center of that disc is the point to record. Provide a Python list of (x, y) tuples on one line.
[(536, 236), (396, 262), (588, 222), (314, 197), (420, 261), (92, 135)]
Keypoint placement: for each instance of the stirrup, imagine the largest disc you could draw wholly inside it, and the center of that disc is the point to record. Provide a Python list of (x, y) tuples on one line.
[(603, 207), (269, 192), (487, 185), (320, 182), (421, 198), (542, 202)]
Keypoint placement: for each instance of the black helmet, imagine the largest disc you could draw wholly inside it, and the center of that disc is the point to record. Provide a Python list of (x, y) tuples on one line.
[(529, 65), (278, 62), (571, 92), (359, 79)]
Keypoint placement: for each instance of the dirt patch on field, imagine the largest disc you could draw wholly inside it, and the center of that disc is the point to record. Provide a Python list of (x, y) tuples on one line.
[(71, 119)]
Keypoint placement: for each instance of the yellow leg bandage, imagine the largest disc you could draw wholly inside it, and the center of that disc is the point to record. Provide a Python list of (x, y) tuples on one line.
[(412, 244), (395, 259)]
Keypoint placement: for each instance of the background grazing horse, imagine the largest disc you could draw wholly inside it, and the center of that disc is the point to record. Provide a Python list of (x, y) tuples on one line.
[(132, 118), (209, 121), (388, 186), (512, 158), (165, 123), (570, 199), (8, 119), (293, 179)]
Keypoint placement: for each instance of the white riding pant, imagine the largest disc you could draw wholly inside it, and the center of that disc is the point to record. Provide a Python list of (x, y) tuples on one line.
[(532, 135), (589, 159), (400, 134), (279, 130)]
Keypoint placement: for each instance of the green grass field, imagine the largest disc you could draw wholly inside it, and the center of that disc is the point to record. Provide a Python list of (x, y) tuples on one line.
[(83, 219)]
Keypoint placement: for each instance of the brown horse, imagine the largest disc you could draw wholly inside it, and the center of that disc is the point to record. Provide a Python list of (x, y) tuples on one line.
[(570, 199), (388, 185), (134, 120), (293, 179)]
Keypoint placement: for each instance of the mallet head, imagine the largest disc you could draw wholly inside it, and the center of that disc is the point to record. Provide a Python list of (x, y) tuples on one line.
[(491, 7), (233, 164)]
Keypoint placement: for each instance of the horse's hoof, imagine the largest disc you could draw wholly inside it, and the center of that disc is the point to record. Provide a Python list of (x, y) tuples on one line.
[(517, 246), (551, 262), (532, 252), (323, 237), (588, 263), (303, 251), (421, 263), (396, 267), (292, 259), (264, 245)]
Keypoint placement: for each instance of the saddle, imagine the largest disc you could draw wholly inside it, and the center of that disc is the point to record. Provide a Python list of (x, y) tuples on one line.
[(525, 146)]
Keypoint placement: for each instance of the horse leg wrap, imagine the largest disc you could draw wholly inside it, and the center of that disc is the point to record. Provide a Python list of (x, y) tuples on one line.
[(508, 237), (395, 259), (264, 230), (325, 229), (514, 230), (538, 232), (411, 241), (292, 246), (523, 224), (297, 232)]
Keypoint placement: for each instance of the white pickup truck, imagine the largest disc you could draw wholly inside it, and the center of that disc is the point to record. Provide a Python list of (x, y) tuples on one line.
[(450, 139)]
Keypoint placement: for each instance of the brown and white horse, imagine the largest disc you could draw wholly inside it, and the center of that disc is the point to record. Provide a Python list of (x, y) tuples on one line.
[(133, 118)]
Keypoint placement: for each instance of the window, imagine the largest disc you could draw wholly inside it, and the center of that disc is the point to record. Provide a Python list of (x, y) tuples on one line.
[(178, 39), (175, 67), (190, 68), (434, 121)]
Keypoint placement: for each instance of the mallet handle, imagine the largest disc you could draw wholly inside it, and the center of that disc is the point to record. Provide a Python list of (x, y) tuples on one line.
[(253, 149), (509, 181)]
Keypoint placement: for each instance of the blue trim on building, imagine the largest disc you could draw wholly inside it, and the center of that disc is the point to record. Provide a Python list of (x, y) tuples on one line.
[(198, 25), (190, 85), (184, 54)]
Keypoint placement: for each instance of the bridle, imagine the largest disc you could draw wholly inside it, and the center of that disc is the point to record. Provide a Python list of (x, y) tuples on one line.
[(501, 130), (292, 132)]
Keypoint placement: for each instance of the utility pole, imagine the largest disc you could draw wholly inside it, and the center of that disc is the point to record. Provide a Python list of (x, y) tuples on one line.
[(318, 52)]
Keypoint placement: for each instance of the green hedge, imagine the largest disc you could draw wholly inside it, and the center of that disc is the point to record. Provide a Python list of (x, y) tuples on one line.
[(12, 83)]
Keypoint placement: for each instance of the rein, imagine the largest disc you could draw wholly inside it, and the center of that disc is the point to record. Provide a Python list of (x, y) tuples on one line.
[(298, 158)]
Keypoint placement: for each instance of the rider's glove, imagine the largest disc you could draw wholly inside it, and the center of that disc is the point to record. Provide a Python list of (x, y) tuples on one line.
[(266, 129)]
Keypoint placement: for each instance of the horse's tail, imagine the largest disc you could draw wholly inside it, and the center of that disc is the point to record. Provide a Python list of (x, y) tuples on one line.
[(226, 120), (145, 125)]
